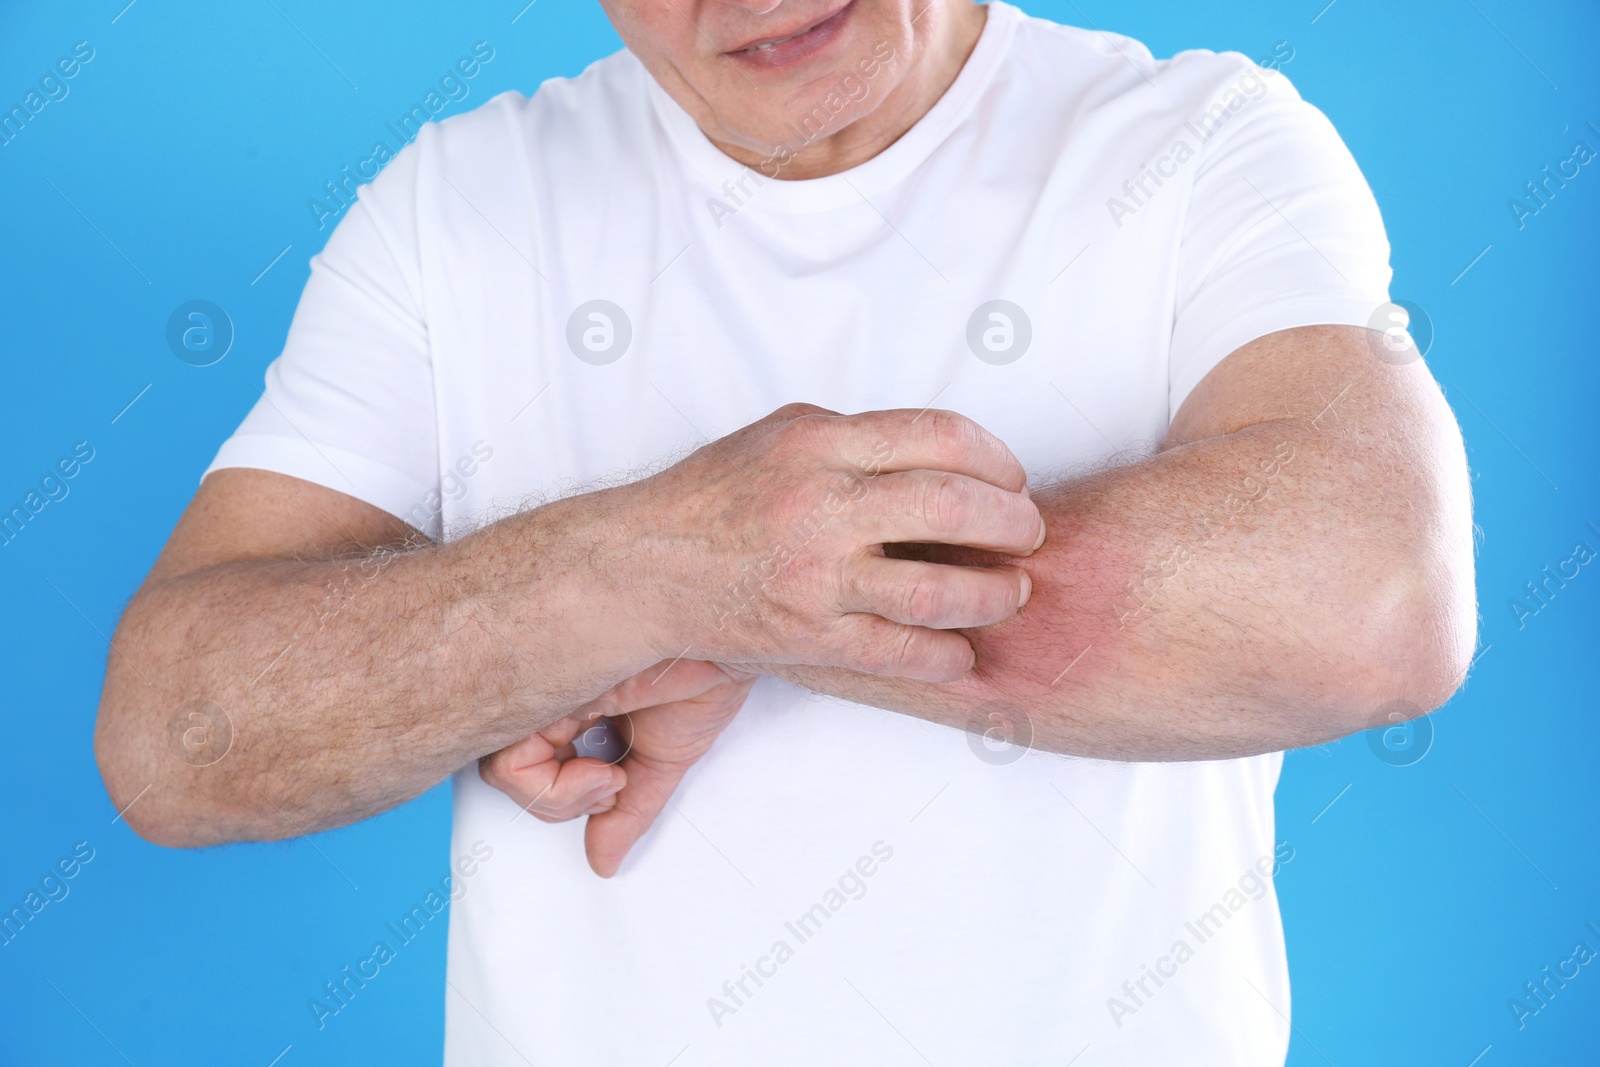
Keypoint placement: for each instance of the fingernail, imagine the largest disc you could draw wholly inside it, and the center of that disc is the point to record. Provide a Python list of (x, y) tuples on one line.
[(1042, 531), (1027, 590)]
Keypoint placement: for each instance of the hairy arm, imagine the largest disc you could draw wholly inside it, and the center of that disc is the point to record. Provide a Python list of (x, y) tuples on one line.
[(1293, 565), (298, 659)]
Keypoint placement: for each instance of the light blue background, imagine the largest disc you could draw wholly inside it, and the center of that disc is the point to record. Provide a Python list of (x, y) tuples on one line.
[(181, 164)]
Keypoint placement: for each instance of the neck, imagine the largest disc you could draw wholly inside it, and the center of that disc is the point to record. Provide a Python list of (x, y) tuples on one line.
[(943, 35)]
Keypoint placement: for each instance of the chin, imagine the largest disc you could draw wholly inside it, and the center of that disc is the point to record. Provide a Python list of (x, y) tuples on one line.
[(811, 124), (817, 114)]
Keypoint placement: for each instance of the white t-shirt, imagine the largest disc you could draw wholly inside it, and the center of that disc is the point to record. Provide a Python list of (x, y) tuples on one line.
[(835, 883)]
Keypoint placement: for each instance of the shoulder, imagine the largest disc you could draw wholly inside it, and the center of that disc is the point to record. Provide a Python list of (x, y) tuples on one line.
[(1104, 74), (587, 125), (608, 99)]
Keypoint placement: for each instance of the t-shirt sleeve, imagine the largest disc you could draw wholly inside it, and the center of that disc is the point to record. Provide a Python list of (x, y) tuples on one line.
[(349, 404), (1282, 231)]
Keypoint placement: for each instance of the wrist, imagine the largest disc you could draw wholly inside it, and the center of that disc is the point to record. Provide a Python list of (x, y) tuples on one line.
[(606, 566), (548, 603)]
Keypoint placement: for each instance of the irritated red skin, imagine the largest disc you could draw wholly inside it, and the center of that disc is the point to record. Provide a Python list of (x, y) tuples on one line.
[(1075, 606)]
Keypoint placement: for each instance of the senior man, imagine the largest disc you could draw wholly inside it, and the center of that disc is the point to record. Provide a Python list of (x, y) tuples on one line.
[(465, 518)]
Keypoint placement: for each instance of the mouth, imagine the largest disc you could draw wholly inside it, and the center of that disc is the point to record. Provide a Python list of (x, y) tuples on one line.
[(783, 49)]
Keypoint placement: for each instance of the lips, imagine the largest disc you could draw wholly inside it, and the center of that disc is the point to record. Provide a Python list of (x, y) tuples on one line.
[(778, 49), (764, 45)]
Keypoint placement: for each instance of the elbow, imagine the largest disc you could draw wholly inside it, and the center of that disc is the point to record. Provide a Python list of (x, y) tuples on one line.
[(1416, 653), (163, 760), (156, 830), (160, 803), (129, 783), (1418, 627), (130, 780)]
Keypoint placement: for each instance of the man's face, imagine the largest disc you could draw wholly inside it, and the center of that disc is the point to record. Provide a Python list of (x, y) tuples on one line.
[(765, 76)]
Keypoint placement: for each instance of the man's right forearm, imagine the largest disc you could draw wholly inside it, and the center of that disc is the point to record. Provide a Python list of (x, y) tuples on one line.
[(267, 698), (352, 685)]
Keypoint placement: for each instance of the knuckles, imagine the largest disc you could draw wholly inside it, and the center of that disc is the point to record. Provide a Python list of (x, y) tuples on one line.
[(774, 494), (947, 598), (911, 651), (803, 433), (952, 437), (796, 410), (932, 654), (489, 769), (923, 600), (947, 503)]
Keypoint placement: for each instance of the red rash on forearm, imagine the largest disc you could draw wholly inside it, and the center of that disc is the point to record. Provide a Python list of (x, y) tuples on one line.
[(1083, 579)]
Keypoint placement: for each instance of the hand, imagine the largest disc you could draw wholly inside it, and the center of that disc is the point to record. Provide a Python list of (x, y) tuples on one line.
[(767, 546), (668, 717)]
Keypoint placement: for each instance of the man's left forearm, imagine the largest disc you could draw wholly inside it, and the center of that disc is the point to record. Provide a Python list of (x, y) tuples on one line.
[(1280, 585)]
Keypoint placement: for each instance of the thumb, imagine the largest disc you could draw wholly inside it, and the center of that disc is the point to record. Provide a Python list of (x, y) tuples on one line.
[(609, 835)]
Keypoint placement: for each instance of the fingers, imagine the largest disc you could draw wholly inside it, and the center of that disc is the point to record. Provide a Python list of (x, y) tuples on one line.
[(878, 646), (559, 735), (795, 411), (936, 595), (666, 741), (534, 749), (610, 834), (578, 786), (665, 683), (678, 708), (952, 509), (550, 790), (932, 439)]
